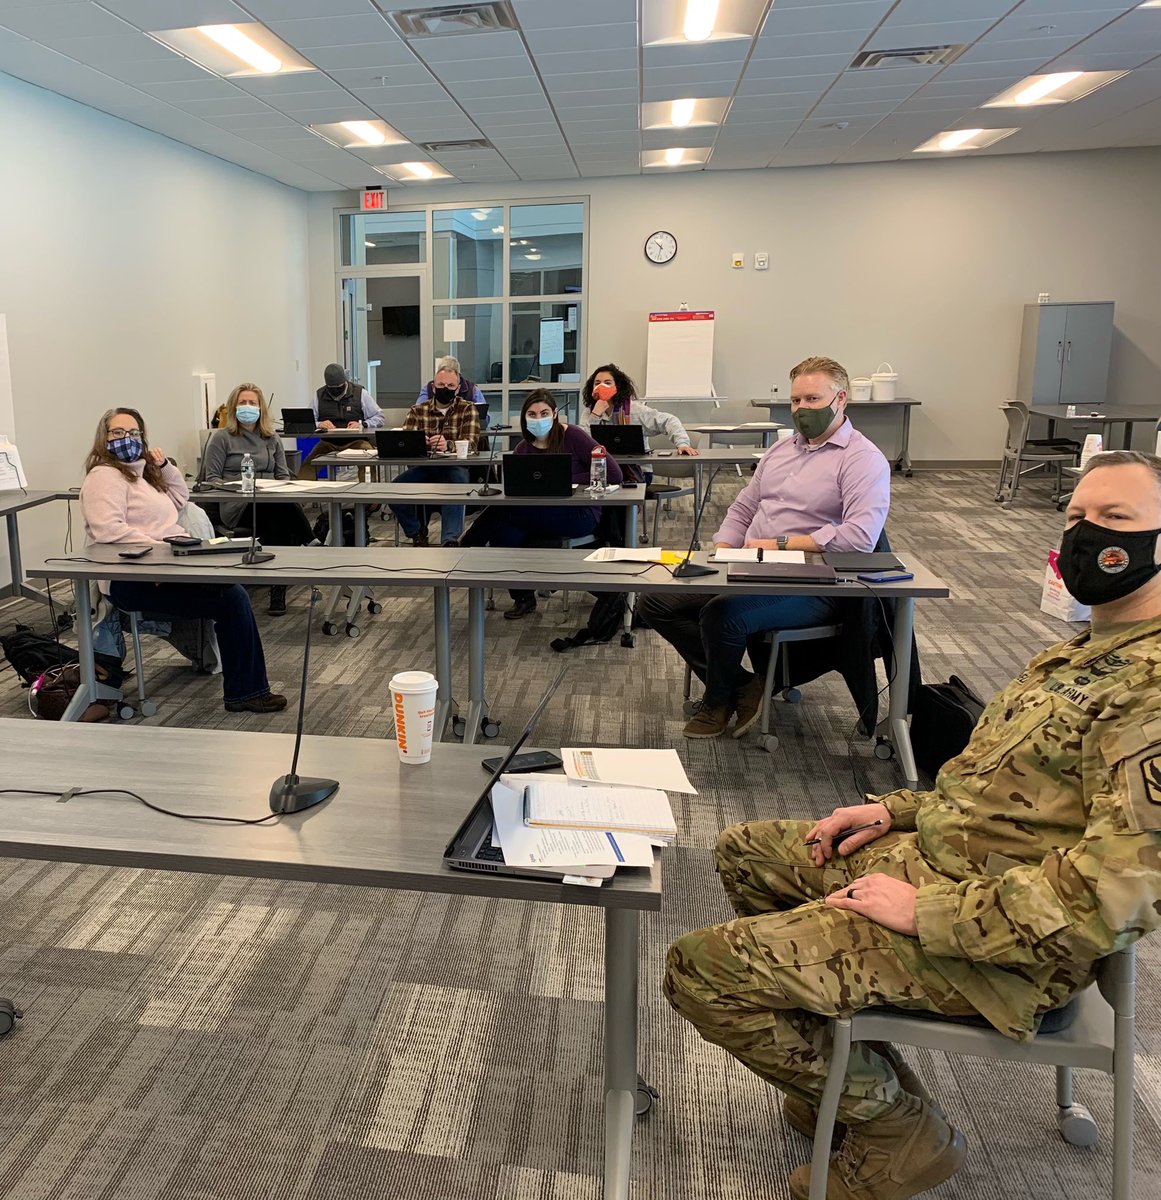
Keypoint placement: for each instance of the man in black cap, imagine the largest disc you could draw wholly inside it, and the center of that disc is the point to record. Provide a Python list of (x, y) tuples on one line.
[(341, 404)]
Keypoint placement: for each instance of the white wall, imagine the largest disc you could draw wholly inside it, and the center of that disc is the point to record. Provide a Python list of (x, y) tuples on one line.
[(925, 264), (127, 263)]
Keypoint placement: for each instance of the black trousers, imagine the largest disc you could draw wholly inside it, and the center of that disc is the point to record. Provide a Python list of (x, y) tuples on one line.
[(283, 525)]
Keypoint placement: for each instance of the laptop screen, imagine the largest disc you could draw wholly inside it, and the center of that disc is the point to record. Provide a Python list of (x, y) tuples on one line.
[(502, 765)]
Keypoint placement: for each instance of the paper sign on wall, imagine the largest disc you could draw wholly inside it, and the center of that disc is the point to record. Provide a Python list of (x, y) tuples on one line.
[(551, 341), (455, 329), (681, 355), (7, 409), (11, 471)]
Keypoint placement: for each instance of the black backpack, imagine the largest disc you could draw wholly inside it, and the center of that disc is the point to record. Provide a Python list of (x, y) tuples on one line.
[(942, 719), (31, 654)]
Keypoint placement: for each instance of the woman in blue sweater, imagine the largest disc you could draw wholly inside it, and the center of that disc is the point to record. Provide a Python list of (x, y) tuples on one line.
[(525, 525)]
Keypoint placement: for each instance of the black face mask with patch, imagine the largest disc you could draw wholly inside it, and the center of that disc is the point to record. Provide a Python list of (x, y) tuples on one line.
[(1099, 564)]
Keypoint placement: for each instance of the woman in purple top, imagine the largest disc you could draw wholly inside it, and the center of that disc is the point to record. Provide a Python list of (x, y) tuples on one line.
[(525, 525)]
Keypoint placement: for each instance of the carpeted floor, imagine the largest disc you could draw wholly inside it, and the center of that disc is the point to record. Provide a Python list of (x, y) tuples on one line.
[(201, 1038)]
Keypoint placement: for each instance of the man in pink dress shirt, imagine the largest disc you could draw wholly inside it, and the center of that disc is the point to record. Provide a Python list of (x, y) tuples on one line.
[(826, 488)]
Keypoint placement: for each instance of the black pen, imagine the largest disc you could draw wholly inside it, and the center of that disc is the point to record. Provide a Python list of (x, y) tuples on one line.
[(845, 833)]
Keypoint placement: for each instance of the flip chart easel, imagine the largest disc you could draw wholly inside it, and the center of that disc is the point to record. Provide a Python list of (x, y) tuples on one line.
[(681, 355)]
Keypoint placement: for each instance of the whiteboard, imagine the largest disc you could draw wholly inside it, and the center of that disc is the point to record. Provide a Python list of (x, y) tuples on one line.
[(551, 341), (681, 355)]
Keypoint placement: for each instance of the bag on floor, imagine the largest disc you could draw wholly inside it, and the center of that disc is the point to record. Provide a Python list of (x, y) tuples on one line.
[(1055, 599), (942, 720), (30, 654), (604, 623), (50, 694)]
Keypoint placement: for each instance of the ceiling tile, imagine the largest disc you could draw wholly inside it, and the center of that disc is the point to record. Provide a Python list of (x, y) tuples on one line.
[(48, 22), (894, 35), (810, 45), (208, 87), (553, 14), (614, 59), (694, 57), (154, 15), (369, 59), (916, 12), (459, 50), (556, 40), (824, 18), (306, 35), (807, 64)]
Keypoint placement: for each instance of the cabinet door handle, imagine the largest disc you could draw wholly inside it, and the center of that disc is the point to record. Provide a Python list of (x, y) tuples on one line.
[(1068, 354), (1060, 351)]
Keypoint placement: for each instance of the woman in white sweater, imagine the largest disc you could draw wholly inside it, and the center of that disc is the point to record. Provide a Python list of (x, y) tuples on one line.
[(132, 494), (610, 398)]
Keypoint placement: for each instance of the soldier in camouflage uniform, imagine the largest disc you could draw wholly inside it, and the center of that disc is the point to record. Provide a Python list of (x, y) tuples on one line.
[(1037, 854)]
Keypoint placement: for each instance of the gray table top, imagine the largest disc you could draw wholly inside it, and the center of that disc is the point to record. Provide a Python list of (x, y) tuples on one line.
[(18, 501), (481, 568), (386, 827), (1100, 412), (711, 454), (332, 435), (385, 566), (416, 493), (898, 402)]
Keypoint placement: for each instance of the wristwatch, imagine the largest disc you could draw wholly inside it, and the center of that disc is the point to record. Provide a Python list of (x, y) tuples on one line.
[(782, 539)]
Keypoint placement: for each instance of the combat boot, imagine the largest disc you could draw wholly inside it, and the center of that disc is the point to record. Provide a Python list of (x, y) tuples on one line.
[(907, 1150)]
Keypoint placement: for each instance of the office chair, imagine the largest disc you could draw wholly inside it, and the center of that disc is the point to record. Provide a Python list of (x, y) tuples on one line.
[(1095, 1030), (1040, 452)]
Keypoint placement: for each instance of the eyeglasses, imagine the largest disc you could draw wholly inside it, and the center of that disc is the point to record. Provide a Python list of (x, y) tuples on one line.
[(124, 433)]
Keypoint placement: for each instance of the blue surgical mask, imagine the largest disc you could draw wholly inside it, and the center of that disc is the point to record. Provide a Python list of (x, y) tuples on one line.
[(127, 449), (248, 414), (539, 426)]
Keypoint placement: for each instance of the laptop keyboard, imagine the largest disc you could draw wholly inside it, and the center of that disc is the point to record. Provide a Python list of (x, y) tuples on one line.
[(487, 851)]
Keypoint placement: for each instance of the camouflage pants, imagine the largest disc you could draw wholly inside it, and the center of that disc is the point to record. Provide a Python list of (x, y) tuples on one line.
[(763, 986)]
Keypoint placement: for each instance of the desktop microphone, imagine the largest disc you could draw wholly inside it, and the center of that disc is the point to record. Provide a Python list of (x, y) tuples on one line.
[(255, 554), (689, 569), (290, 793), (488, 489)]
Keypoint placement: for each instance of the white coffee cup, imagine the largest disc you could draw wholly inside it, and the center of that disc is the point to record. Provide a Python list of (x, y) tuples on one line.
[(413, 696), (462, 448)]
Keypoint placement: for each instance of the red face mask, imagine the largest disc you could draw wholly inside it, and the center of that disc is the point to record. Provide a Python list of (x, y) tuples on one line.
[(604, 391)]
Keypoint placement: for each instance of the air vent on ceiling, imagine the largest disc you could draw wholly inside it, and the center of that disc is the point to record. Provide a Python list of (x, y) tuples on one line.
[(453, 147), (908, 56), (485, 17)]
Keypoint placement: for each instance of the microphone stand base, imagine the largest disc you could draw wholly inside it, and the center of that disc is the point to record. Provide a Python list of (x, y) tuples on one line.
[(692, 570), (487, 491), (293, 793), (256, 556)]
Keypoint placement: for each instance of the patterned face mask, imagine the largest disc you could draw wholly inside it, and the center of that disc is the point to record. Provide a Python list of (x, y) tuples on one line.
[(1099, 564), (127, 449)]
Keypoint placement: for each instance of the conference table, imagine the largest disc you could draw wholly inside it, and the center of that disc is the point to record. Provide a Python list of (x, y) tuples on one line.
[(386, 827), (479, 570), (338, 566), (901, 406), (1107, 415), (11, 504)]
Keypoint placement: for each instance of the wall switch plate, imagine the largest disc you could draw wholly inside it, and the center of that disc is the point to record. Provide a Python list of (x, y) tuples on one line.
[(761, 261), (739, 260)]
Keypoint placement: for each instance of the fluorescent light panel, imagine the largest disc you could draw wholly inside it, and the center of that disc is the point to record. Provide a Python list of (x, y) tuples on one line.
[(1062, 87), (359, 135), (693, 23), (700, 16), (234, 51), (676, 158), (952, 141), (414, 172), (703, 112)]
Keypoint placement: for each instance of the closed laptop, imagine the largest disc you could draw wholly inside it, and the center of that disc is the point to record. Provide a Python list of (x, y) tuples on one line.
[(780, 572), (400, 443), (540, 476)]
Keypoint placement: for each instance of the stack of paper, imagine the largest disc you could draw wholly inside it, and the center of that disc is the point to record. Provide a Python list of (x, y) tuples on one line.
[(565, 804), (755, 554)]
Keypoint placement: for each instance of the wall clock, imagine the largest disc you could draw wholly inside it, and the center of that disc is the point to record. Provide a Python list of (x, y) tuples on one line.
[(660, 247)]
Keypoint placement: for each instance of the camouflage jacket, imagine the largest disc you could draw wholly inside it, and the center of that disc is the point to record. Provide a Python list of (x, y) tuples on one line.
[(1047, 828)]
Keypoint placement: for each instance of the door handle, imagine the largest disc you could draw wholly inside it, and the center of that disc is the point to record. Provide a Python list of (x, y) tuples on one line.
[(1060, 351), (1068, 353)]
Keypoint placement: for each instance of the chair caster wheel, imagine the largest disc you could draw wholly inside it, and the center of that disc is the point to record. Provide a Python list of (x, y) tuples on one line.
[(768, 742), (149, 708), (459, 727), (330, 628), (646, 1095), (689, 707), (884, 750), (1077, 1126), (64, 622), (628, 641), (489, 728), (374, 607), (126, 712), (792, 695), (353, 630), (9, 1015), (489, 605)]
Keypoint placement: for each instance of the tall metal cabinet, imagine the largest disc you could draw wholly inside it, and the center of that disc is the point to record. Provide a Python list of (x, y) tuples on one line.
[(1064, 353)]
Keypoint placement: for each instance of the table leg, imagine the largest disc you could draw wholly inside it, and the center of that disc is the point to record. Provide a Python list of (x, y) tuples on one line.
[(357, 593), (476, 706), (622, 934), (631, 525), (86, 693), (17, 587), (335, 518), (903, 462), (445, 705), (1127, 444), (901, 686)]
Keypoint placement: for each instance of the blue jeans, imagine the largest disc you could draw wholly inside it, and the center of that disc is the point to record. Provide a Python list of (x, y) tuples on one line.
[(243, 663), (711, 635), (412, 517)]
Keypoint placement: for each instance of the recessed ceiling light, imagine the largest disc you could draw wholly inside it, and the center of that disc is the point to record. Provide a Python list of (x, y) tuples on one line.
[(522, 242), (533, 257), (952, 140), (365, 132), (482, 214), (700, 16), (497, 228), (369, 245), (674, 155), (681, 113), (240, 45), (418, 169), (1058, 88), (1150, 4)]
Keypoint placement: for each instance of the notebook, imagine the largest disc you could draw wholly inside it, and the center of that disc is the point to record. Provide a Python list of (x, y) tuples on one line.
[(569, 805)]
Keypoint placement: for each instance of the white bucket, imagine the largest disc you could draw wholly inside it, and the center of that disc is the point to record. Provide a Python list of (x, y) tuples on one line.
[(883, 382), (861, 388)]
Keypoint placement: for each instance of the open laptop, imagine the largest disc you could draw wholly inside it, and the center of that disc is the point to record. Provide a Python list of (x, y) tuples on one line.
[(400, 443), (471, 847), (297, 422), (537, 476), (620, 439)]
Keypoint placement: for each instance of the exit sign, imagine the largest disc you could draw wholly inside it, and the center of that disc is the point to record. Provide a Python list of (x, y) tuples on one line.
[(374, 200)]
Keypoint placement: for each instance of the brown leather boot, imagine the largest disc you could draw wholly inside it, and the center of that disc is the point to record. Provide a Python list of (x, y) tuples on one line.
[(907, 1150), (802, 1117)]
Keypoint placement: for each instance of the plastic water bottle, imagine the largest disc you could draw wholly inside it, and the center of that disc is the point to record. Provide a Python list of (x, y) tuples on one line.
[(599, 469), (247, 475)]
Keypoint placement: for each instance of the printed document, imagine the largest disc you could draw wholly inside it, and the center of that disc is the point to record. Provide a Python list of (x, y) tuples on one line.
[(631, 768)]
